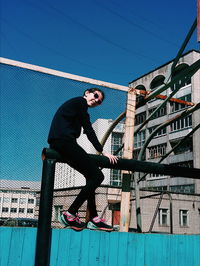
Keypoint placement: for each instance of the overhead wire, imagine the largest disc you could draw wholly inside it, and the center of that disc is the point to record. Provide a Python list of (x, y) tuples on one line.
[(16, 28), (95, 33), (143, 18), (52, 50), (130, 22), (42, 44), (12, 47)]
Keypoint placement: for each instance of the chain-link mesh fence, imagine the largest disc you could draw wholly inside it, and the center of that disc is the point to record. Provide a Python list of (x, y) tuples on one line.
[(29, 99)]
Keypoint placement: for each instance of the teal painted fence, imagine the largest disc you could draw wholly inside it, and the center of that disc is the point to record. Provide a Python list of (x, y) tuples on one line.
[(89, 248)]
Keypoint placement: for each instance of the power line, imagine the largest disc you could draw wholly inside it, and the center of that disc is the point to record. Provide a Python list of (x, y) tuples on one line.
[(28, 36), (133, 14), (12, 47), (130, 22), (95, 33)]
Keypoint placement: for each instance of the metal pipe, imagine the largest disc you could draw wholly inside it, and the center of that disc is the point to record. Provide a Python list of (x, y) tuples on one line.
[(189, 35), (43, 241), (133, 165)]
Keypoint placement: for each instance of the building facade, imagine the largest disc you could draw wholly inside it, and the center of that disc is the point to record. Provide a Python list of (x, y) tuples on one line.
[(18, 199), (188, 153), (171, 213)]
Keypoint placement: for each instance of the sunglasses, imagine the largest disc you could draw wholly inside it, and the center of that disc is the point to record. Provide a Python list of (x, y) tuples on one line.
[(96, 96)]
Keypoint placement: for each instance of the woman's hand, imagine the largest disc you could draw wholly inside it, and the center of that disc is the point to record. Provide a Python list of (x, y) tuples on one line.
[(113, 159)]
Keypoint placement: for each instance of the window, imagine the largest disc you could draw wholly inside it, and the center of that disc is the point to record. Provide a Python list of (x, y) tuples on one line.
[(174, 107), (157, 82), (183, 218), (186, 146), (139, 139), (163, 218), (37, 202), (185, 122), (22, 200), (161, 188), (159, 133), (159, 113), (29, 210), (115, 179), (13, 210), (21, 210), (140, 118), (140, 97), (6, 200), (58, 210), (157, 151), (4, 209), (14, 200), (152, 175), (187, 189), (116, 143), (31, 201), (184, 79)]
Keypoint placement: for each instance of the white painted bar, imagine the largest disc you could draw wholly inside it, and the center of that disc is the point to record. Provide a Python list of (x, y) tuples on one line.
[(63, 74)]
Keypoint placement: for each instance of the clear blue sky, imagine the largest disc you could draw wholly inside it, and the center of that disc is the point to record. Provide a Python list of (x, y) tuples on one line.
[(114, 40)]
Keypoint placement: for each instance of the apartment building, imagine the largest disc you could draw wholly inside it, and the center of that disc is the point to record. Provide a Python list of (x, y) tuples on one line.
[(188, 153), (18, 199)]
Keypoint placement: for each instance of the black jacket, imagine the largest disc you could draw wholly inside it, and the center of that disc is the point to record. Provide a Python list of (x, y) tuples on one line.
[(69, 119)]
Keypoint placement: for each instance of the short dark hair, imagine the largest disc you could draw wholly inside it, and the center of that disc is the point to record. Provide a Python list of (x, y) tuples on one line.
[(95, 89)]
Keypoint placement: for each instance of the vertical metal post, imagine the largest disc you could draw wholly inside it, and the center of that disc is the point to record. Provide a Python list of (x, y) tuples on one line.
[(137, 203), (43, 241), (128, 154), (171, 213)]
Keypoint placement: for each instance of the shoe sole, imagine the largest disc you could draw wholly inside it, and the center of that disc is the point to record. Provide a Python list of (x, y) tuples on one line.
[(62, 221), (67, 226), (100, 229), (93, 227)]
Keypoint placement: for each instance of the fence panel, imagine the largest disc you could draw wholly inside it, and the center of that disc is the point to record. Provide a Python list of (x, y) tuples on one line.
[(85, 248), (30, 96)]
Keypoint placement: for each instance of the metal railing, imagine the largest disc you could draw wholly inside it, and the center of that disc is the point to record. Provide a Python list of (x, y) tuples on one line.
[(50, 157)]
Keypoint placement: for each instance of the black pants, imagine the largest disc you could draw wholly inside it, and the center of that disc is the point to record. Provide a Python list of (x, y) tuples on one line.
[(76, 157)]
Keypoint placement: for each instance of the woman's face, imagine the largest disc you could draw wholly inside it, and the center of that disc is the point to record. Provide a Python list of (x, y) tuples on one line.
[(93, 98)]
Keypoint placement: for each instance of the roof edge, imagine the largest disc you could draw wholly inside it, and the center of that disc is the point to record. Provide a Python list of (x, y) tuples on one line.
[(193, 50)]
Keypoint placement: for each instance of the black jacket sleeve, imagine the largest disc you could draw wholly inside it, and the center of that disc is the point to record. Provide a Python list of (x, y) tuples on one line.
[(89, 131)]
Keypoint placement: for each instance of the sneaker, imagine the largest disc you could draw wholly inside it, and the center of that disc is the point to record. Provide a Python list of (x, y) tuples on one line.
[(98, 224), (71, 221)]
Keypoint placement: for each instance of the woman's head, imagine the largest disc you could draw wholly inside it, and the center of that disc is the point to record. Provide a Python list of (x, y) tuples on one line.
[(94, 97)]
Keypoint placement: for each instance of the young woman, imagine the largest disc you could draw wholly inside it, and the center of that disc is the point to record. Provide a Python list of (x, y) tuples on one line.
[(65, 129)]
